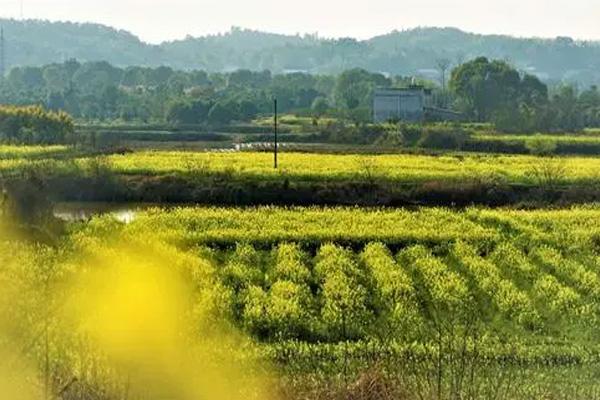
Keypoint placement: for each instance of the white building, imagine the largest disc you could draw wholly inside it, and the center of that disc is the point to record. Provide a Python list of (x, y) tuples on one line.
[(407, 104)]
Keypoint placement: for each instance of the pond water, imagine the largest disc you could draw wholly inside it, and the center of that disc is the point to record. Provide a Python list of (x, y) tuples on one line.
[(83, 211)]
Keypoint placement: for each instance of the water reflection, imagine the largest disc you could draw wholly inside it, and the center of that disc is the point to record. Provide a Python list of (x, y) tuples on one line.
[(80, 211)]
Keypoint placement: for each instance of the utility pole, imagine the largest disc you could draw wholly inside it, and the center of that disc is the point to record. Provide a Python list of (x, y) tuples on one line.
[(2, 54), (275, 149)]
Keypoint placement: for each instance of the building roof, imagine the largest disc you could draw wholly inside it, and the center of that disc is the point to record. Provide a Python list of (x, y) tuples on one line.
[(416, 89)]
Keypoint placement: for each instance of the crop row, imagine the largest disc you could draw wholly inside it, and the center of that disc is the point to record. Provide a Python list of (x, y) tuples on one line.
[(394, 168), (265, 226), (342, 294), (306, 167)]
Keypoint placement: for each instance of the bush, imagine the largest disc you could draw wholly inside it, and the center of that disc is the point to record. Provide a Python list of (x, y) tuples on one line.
[(319, 107), (446, 138), (223, 113), (514, 119), (411, 133), (391, 137), (188, 112), (541, 146), (548, 173), (338, 132), (35, 125)]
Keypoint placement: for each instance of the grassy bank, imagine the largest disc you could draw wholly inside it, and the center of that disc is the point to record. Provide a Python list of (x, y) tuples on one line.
[(246, 178)]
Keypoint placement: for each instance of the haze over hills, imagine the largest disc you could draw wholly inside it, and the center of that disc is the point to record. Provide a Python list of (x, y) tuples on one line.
[(411, 52)]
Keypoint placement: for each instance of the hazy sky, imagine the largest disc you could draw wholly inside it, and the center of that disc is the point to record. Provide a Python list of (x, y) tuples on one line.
[(157, 20)]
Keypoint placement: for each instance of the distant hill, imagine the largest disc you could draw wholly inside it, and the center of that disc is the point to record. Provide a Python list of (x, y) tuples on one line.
[(411, 52)]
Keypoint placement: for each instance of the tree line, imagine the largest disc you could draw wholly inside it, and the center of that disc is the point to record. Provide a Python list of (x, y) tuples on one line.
[(483, 90), (493, 91), (99, 91)]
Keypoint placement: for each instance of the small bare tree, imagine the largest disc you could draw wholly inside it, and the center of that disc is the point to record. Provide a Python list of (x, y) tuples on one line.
[(442, 65), (548, 172), (368, 170)]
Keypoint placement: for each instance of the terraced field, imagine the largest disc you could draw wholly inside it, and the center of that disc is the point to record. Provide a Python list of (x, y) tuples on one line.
[(442, 303), (331, 291), (535, 272)]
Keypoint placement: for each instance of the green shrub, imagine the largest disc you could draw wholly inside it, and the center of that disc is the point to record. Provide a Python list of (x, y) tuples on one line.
[(442, 137), (392, 136), (35, 125), (541, 146), (411, 133)]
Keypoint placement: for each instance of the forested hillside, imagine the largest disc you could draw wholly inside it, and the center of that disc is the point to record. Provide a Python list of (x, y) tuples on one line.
[(411, 52)]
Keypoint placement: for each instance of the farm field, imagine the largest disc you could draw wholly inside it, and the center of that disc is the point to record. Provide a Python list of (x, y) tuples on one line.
[(431, 303), (588, 137), (491, 303), (583, 143), (395, 168), (28, 152), (304, 179), (251, 215)]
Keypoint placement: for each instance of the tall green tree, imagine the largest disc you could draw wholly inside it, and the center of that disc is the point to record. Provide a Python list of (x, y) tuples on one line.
[(354, 88), (494, 91), (485, 86)]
